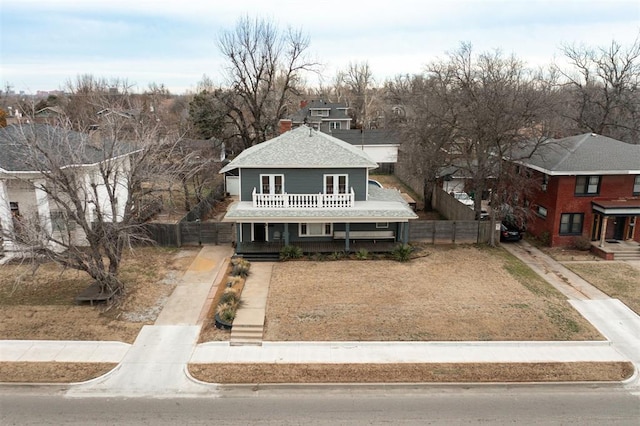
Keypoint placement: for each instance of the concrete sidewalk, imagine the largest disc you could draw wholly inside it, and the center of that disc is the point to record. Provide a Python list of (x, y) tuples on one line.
[(405, 352)]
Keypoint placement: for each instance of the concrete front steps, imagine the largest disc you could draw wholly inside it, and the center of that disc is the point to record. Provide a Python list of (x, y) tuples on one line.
[(246, 334), (627, 255)]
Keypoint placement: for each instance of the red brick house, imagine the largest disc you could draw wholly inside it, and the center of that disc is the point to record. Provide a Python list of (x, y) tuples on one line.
[(589, 186)]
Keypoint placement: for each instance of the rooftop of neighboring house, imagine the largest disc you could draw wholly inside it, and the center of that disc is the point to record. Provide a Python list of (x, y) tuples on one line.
[(585, 154), (367, 137), (318, 109), (71, 147), (302, 147)]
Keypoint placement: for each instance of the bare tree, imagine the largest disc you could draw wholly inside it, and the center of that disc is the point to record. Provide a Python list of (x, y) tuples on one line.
[(477, 110), (265, 66), (604, 89), (423, 123), (359, 83), (99, 189)]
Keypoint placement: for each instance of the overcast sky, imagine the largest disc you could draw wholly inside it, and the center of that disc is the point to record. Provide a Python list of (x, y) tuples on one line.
[(46, 42)]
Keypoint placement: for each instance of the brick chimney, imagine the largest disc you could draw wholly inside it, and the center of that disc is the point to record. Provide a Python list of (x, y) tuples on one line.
[(284, 125), (303, 103)]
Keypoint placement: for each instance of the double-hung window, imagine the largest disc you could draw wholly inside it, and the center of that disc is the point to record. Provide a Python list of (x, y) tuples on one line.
[(587, 185), (336, 184), (571, 223), (272, 184), (636, 186)]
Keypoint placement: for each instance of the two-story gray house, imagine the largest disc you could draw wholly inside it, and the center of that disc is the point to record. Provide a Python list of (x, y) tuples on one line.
[(310, 189)]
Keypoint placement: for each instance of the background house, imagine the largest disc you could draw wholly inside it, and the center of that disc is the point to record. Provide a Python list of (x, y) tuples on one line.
[(319, 114), (588, 186), (22, 197), (307, 187)]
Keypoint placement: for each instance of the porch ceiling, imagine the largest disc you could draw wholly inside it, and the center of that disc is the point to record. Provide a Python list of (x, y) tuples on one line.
[(623, 206)]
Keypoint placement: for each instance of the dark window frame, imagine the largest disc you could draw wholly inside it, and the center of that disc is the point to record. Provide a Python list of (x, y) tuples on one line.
[(582, 188), (636, 185), (572, 222)]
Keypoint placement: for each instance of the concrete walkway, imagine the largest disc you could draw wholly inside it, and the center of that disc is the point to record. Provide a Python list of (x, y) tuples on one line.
[(248, 325), (155, 365)]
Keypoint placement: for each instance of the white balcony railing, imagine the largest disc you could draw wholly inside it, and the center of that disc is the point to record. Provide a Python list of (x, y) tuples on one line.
[(303, 201)]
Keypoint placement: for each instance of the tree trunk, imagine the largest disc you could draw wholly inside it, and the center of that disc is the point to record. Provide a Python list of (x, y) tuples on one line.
[(427, 194)]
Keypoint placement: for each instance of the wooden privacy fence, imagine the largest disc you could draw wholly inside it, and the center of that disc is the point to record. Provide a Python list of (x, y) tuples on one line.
[(190, 233), (450, 231)]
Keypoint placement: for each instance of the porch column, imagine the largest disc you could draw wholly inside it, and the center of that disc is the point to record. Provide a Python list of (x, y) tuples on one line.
[(285, 234), (6, 219), (44, 212), (238, 236), (405, 232), (603, 230), (346, 237)]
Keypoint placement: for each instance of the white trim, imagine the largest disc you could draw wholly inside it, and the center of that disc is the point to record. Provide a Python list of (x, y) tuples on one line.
[(272, 183), (324, 228), (336, 183), (576, 172)]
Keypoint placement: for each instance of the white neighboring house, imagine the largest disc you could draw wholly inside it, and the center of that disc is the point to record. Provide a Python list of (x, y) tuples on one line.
[(22, 195)]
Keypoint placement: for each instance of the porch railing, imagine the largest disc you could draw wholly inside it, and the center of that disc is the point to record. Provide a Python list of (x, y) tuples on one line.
[(303, 201)]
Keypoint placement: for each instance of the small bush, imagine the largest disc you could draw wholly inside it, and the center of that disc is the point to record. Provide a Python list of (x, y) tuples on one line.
[(402, 252), (319, 257), (290, 252), (337, 255), (545, 238), (230, 296), (241, 268), (226, 312), (362, 254), (581, 243)]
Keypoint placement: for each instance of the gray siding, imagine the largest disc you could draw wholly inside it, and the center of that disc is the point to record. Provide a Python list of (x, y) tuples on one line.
[(303, 181)]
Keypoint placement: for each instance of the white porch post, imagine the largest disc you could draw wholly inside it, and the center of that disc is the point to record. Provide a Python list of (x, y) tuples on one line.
[(603, 230), (6, 220), (42, 201)]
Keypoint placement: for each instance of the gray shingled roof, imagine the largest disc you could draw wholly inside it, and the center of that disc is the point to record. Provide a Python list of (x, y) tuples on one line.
[(367, 137), (302, 147), (71, 148), (586, 154)]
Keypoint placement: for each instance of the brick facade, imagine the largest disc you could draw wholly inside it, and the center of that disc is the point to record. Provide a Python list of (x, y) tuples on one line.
[(560, 197)]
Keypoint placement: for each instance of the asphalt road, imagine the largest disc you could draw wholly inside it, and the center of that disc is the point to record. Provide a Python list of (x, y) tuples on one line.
[(495, 405)]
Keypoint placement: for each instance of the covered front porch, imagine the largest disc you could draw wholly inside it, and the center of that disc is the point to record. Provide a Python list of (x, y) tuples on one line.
[(614, 232)]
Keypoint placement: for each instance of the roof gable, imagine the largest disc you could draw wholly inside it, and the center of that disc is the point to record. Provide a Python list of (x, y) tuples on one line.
[(586, 153), (302, 147)]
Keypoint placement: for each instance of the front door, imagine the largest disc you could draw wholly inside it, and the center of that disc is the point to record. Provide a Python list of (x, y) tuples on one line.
[(259, 232), (618, 228)]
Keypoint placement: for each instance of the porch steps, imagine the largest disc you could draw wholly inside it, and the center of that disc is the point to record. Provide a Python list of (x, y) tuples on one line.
[(261, 257), (627, 255), (245, 334)]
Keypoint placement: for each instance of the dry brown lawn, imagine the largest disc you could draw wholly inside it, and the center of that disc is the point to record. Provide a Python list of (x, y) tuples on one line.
[(52, 372), (617, 279), (411, 373), (448, 294), (40, 304)]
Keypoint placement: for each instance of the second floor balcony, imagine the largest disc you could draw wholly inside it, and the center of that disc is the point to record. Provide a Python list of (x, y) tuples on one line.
[(303, 201)]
